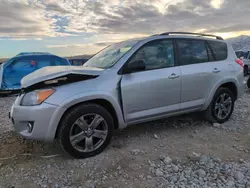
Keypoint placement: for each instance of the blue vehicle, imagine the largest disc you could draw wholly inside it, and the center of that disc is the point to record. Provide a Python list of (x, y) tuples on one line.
[(13, 70)]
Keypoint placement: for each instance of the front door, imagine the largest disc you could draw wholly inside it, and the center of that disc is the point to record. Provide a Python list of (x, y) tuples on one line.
[(156, 90)]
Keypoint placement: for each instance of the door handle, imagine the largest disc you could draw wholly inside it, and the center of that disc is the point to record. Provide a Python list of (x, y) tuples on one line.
[(173, 76), (216, 70)]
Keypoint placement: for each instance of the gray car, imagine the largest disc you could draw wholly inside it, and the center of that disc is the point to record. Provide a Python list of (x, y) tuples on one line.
[(127, 83)]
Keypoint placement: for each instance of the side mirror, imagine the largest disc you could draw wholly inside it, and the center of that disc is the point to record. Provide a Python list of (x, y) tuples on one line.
[(134, 66)]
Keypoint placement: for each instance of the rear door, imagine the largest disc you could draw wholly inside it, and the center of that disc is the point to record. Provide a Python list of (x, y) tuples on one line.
[(196, 72), (155, 91)]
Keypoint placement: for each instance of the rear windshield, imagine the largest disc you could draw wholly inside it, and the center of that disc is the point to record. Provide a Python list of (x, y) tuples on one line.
[(219, 50)]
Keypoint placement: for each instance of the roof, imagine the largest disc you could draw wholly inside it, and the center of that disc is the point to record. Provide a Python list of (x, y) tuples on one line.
[(33, 53)]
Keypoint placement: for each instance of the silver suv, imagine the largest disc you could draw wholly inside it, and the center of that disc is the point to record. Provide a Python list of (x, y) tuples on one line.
[(128, 83)]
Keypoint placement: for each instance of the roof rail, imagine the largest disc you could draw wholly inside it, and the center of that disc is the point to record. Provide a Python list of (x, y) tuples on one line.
[(189, 33)]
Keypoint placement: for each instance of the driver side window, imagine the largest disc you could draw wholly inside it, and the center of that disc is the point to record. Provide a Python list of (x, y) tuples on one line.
[(156, 54)]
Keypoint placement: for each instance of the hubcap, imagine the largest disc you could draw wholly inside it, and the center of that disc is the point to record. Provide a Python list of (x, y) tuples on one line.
[(223, 106), (88, 132)]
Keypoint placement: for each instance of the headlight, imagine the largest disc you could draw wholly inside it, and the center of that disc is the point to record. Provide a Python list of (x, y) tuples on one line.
[(36, 97)]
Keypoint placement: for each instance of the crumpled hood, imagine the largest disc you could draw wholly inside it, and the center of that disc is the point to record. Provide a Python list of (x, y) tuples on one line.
[(52, 72)]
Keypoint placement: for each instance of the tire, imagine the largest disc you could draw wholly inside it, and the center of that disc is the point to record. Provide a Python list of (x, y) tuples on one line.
[(245, 70), (210, 112), (248, 83), (68, 123)]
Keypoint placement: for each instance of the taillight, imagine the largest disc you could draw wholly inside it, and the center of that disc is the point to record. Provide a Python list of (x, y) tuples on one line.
[(240, 62)]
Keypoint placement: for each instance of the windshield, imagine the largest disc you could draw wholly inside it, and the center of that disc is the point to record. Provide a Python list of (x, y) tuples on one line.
[(110, 55), (242, 54)]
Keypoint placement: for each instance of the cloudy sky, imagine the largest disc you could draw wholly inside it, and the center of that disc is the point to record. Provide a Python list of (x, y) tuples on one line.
[(76, 27)]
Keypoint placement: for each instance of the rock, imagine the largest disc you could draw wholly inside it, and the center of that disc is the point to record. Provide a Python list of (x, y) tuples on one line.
[(167, 160), (182, 178), (149, 177), (203, 159), (238, 176), (242, 161), (216, 125), (230, 183), (224, 168), (210, 165), (158, 172), (175, 168), (155, 136), (173, 179), (196, 154), (201, 173), (217, 160), (135, 151), (118, 168)]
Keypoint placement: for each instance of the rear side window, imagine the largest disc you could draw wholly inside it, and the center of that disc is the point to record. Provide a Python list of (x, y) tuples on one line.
[(192, 51), (219, 50)]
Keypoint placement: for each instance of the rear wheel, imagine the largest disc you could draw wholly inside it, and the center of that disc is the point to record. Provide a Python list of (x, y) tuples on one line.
[(221, 107), (86, 130)]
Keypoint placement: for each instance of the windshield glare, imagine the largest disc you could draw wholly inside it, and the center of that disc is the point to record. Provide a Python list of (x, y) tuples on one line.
[(110, 55)]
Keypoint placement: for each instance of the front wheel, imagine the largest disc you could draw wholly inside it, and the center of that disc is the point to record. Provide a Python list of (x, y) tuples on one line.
[(221, 107), (86, 130)]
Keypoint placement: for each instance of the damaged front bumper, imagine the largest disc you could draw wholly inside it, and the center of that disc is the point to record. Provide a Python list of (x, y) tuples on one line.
[(33, 122)]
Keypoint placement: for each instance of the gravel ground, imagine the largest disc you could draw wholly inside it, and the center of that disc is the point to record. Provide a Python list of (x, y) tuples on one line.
[(183, 151)]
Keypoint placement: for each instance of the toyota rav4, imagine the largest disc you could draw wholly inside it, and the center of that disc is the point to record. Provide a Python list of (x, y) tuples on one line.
[(128, 83)]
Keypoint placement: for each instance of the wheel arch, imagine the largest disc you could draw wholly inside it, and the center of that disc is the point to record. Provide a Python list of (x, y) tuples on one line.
[(230, 84), (106, 101)]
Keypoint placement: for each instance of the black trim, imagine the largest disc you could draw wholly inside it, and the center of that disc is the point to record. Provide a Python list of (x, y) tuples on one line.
[(207, 51), (121, 71), (176, 53), (210, 48)]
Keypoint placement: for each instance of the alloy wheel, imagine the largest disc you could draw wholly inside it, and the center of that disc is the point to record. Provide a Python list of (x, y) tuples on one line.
[(88, 132)]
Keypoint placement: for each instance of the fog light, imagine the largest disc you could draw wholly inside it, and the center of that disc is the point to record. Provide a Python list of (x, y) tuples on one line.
[(30, 127)]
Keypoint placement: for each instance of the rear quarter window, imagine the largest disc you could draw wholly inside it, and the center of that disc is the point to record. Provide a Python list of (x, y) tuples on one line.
[(219, 50)]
